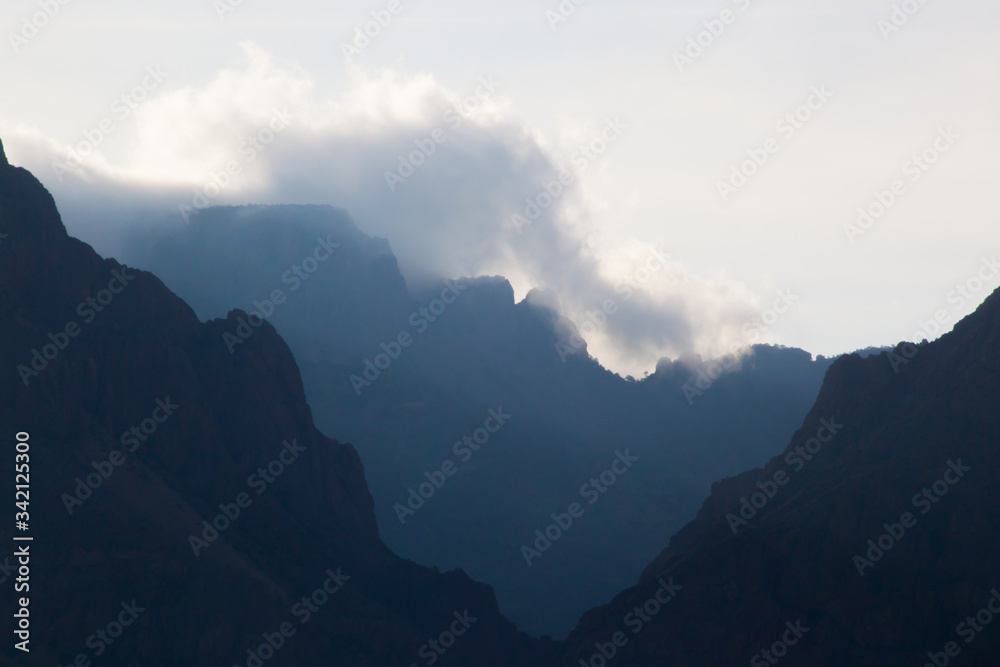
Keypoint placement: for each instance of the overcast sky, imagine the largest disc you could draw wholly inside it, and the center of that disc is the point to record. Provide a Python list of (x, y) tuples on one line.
[(884, 86)]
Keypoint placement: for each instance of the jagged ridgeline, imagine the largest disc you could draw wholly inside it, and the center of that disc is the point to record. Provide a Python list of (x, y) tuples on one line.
[(295, 574)]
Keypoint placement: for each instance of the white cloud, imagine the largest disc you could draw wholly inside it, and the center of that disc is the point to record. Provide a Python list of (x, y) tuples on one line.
[(451, 217)]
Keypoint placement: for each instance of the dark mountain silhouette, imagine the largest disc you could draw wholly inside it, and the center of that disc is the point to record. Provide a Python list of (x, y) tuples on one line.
[(141, 425), (484, 351), (869, 541), (883, 542)]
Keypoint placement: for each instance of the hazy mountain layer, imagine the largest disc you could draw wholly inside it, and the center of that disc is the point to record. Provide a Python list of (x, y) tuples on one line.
[(413, 377), (185, 510), (872, 540)]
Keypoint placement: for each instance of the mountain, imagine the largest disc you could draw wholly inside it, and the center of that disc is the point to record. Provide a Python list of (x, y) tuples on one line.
[(184, 508), (413, 374), (871, 540)]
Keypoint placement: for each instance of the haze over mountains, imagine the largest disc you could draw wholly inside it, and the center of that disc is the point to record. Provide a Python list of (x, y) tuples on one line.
[(882, 540), (128, 542), (867, 538), (470, 351)]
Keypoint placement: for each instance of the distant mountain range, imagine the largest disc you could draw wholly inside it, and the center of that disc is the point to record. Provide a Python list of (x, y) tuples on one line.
[(871, 540), (186, 510), (406, 375)]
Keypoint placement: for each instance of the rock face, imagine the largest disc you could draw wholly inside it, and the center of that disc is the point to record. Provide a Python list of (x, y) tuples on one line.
[(882, 540), (185, 510), (142, 426), (482, 351)]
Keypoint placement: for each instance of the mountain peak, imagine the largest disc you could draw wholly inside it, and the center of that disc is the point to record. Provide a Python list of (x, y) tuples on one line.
[(139, 346), (3, 156)]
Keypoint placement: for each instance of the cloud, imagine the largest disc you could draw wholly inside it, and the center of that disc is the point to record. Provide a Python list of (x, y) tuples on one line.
[(441, 174)]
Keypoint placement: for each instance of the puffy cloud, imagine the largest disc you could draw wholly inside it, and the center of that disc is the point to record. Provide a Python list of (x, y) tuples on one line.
[(439, 173)]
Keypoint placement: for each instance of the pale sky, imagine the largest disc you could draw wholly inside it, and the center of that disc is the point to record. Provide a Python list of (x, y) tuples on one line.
[(887, 95)]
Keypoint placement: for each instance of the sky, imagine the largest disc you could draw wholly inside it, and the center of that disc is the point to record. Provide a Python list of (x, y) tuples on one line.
[(686, 176)]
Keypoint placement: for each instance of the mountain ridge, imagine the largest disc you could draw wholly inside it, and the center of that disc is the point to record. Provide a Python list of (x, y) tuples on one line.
[(155, 526), (404, 373), (917, 420)]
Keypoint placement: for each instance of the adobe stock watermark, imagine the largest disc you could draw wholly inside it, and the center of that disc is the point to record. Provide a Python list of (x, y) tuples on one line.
[(295, 276), (714, 29), (426, 147), (924, 501), (636, 620), (752, 330), (597, 319), (591, 491), (420, 320), (248, 150), (104, 638), (899, 17), (464, 450), (303, 610), (562, 12), (964, 292), (796, 460), (787, 126), (32, 25), (581, 159), (968, 630), (122, 107), (88, 310), (131, 441), (23, 614), (435, 648), (366, 34), (779, 649), (258, 481), (225, 7), (918, 165)]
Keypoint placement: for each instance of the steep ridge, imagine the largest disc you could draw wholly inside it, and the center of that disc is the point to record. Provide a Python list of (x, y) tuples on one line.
[(876, 547), (339, 284), (142, 426), (470, 347)]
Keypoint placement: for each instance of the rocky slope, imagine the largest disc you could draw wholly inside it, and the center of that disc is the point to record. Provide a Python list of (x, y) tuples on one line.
[(872, 540), (476, 350), (141, 426)]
